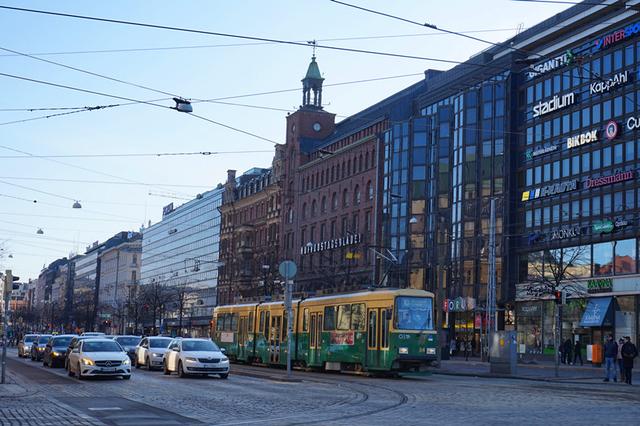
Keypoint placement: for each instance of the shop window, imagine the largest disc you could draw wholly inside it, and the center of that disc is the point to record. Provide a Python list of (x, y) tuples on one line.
[(602, 259), (625, 257)]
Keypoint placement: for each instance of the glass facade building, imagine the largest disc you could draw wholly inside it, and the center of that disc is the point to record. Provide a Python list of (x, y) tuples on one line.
[(181, 251)]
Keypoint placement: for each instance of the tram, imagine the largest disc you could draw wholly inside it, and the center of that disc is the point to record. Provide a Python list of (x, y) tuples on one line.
[(384, 330)]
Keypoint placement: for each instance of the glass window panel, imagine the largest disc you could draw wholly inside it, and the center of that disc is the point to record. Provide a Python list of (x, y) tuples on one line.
[(344, 317), (586, 162), (630, 150), (617, 106), (606, 156), (595, 156), (602, 259), (617, 154), (596, 113), (556, 169), (595, 206), (578, 260), (625, 257)]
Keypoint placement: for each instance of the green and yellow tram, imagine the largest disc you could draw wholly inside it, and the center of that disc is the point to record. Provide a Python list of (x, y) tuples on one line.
[(375, 331)]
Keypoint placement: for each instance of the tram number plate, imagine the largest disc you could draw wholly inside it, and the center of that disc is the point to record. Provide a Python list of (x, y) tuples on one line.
[(404, 336)]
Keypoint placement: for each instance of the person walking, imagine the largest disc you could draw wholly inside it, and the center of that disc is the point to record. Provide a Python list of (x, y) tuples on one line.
[(577, 352), (568, 349), (619, 360), (466, 346), (610, 354), (452, 347), (629, 352)]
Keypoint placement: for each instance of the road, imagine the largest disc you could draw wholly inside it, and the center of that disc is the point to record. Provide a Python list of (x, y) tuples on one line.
[(261, 396)]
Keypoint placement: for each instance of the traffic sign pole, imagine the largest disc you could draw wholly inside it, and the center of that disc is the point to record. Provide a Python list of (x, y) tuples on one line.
[(288, 270)]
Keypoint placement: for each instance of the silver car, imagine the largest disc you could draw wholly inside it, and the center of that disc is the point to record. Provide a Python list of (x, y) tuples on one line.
[(150, 352), (24, 346)]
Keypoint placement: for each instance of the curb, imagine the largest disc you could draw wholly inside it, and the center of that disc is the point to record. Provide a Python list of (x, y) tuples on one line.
[(571, 380)]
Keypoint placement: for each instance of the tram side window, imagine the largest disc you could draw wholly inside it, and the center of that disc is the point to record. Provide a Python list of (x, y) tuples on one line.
[(233, 322), (358, 317), (220, 322), (373, 334), (250, 325), (266, 324), (344, 317), (384, 329), (284, 327), (329, 318), (261, 326), (305, 320), (313, 330)]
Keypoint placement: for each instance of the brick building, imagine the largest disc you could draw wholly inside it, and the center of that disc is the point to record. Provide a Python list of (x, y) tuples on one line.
[(250, 234)]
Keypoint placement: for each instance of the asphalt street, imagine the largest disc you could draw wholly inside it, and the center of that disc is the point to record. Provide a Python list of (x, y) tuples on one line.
[(262, 396)]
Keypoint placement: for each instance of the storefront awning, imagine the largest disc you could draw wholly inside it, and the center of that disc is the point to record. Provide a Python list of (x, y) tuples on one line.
[(597, 312)]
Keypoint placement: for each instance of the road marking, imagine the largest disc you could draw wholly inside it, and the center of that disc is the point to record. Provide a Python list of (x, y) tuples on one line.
[(104, 408)]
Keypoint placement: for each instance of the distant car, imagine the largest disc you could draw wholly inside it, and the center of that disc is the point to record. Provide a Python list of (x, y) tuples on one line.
[(24, 346), (129, 344), (72, 344), (38, 346), (195, 356), (150, 352), (55, 350), (98, 357), (93, 334)]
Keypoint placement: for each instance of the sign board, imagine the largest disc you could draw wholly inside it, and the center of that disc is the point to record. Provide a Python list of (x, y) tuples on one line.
[(167, 209), (226, 337), (287, 269)]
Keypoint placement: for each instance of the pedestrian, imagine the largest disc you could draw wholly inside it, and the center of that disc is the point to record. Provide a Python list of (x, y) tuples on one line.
[(467, 349), (568, 348), (629, 352), (577, 352), (452, 346), (619, 360), (610, 354)]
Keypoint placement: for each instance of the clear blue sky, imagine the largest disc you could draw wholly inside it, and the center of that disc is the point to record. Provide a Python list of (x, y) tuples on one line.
[(198, 73)]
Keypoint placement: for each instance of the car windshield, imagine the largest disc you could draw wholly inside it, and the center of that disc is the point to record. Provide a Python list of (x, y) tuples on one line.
[(414, 313), (43, 339), (159, 343), (29, 339), (128, 341), (199, 345), (99, 346), (61, 341)]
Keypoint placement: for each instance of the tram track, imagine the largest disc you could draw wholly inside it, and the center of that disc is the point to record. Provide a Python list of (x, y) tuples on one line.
[(348, 382)]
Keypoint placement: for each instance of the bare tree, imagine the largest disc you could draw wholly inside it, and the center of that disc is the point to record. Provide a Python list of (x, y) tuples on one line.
[(155, 296), (558, 270)]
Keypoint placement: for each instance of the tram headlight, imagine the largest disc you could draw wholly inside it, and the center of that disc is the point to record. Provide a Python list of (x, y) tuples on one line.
[(430, 351), (403, 351)]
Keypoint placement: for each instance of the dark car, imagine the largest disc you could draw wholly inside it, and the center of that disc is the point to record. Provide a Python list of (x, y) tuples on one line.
[(38, 345), (73, 343), (129, 344), (55, 350)]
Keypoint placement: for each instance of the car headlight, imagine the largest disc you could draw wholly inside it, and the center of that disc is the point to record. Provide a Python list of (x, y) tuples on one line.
[(156, 355), (40, 349), (190, 359), (403, 350), (430, 351), (224, 359), (87, 361), (126, 361), (54, 353)]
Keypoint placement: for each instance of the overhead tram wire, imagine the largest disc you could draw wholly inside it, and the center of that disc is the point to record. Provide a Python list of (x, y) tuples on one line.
[(99, 182), (238, 36), (88, 219), (209, 46), (159, 154)]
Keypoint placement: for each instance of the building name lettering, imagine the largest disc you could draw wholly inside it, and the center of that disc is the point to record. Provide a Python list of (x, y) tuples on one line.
[(563, 233), (582, 139), (331, 244), (608, 180), (554, 104), (545, 191), (601, 285), (459, 304), (599, 87), (616, 36), (540, 151), (550, 65), (633, 123)]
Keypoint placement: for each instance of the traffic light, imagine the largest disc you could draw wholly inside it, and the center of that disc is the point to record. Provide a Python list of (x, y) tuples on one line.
[(9, 278), (560, 297)]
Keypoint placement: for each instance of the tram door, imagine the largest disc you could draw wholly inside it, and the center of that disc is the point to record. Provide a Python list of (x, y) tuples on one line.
[(377, 337), (242, 338), (274, 339)]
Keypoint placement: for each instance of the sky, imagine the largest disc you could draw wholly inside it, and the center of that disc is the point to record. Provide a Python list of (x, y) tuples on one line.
[(121, 193)]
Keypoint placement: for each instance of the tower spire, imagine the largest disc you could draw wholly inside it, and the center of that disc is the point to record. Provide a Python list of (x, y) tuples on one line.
[(312, 82)]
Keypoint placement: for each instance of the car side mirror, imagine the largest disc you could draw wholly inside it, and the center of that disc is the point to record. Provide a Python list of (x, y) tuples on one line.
[(76, 350), (176, 349), (223, 350)]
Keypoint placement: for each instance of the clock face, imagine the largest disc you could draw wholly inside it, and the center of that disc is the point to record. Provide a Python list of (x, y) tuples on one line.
[(317, 127)]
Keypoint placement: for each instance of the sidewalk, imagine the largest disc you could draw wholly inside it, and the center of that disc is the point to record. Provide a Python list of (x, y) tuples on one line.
[(541, 371)]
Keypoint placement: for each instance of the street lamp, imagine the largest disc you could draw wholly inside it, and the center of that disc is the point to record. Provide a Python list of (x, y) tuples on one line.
[(183, 105), (77, 205), (39, 231)]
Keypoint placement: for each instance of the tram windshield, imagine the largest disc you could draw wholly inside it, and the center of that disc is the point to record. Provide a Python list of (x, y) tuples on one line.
[(414, 313)]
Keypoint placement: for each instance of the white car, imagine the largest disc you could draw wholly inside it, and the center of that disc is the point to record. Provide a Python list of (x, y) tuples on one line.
[(150, 352), (99, 357), (195, 356)]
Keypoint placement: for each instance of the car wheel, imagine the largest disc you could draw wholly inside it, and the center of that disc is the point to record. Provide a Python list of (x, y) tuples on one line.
[(224, 376), (127, 377), (135, 362), (69, 372), (147, 362), (181, 372), (165, 368), (79, 373), (44, 363)]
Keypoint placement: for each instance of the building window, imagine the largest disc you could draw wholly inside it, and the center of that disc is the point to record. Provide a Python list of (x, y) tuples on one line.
[(345, 198), (602, 259), (323, 204), (334, 201), (370, 190), (624, 261), (314, 207), (304, 210), (356, 195)]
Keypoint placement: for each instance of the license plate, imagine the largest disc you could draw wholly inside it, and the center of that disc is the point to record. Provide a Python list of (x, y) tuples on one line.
[(108, 370)]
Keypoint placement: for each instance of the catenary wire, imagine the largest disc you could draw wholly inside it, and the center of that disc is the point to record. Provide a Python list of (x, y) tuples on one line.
[(101, 182), (239, 36), (159, 154)]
